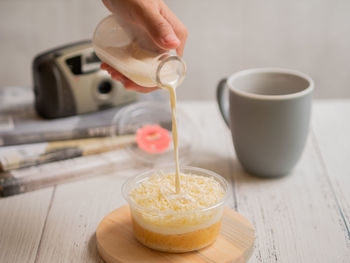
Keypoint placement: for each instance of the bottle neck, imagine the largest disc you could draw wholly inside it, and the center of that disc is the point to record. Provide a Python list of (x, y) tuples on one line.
[(171, 70)]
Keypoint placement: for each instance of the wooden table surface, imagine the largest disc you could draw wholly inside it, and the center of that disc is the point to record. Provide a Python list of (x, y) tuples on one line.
[(302, 217)]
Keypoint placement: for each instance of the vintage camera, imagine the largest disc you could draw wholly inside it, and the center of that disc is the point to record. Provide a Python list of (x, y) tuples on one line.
[(68, 81)]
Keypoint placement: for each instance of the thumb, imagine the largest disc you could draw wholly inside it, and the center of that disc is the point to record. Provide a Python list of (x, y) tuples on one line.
[(160, 30)]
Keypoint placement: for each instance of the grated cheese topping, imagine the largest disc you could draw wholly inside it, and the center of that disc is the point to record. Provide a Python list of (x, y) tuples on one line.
[(158, 192)]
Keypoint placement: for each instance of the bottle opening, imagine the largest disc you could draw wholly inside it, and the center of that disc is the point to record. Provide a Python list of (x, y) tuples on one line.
[(171, 71)]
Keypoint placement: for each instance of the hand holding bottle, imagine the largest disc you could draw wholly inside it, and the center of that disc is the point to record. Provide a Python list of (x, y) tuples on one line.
[(155, 18)]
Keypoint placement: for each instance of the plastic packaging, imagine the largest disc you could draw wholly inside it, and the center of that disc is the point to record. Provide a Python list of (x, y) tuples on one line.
[(138, 115), (176, 231), (131, 51)]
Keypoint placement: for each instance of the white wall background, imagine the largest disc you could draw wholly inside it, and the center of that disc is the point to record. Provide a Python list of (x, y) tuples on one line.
[(225, 36)]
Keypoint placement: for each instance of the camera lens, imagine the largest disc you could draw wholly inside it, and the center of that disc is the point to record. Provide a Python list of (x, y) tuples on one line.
[(104, 87)]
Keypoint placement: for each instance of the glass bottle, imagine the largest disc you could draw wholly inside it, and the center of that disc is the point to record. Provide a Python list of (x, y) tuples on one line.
[(132, 52)]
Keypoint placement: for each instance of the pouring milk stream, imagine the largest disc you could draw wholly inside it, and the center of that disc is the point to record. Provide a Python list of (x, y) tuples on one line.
[(133, 54)]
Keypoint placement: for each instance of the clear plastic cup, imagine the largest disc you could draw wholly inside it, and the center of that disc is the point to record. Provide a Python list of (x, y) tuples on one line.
[(173, 231), (137, 115)]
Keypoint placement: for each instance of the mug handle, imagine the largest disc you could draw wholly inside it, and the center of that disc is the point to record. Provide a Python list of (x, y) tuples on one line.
[(220, 100)]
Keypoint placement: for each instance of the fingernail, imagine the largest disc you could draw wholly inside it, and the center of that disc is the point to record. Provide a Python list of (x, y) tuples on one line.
[(171, 38)]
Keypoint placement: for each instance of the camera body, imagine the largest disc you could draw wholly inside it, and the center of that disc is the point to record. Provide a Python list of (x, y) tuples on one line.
[(68, 81)]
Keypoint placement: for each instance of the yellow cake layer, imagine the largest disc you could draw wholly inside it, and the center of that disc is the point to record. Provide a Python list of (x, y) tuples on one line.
[(178, 242)]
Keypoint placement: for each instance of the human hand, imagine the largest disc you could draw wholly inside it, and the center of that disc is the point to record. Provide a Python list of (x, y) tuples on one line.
[(128, 84), (164, 28)]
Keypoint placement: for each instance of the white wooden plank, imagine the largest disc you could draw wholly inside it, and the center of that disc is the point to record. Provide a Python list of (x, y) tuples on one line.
[(22, 219), (297, 218), (78, 207), (331, 128), (75, 213)]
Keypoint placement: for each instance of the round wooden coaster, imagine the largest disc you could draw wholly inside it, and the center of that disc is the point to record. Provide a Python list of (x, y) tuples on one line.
[(116, 243)]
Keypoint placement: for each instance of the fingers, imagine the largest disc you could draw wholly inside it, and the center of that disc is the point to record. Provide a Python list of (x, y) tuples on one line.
[(104, 66), (160, 30), (128, 84), (108, 4), (178, 27), (165, 29), (116, 75)]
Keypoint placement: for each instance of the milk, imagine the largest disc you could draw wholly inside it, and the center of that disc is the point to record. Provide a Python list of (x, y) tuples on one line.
[(172, 91), (133, 53)]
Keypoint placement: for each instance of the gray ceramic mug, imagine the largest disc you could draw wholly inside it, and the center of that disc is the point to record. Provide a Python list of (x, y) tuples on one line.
[(269, 115)]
